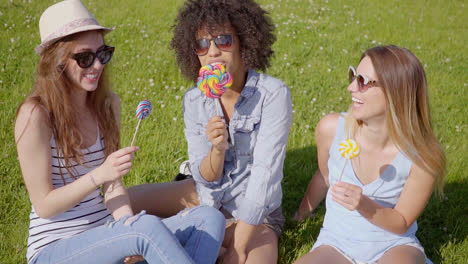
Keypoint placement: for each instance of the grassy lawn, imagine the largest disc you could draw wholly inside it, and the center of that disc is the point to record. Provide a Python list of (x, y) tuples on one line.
[(316, 41)]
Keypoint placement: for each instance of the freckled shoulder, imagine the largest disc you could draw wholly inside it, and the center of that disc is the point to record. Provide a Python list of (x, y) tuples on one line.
[(32, 118), (326, 128)]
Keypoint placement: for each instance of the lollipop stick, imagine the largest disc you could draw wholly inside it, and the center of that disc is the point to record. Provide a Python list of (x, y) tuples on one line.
[(341, 175), (136, 130), (218, 106)]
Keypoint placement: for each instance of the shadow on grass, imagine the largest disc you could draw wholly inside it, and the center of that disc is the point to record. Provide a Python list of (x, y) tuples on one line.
[(300, 165), (442, 227), (444, 222)]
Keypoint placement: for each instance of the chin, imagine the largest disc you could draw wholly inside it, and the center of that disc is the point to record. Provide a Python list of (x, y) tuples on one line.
[(89, 88)]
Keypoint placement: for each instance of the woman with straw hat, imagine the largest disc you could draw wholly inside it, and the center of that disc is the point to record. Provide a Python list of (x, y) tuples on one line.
[(67, 136)]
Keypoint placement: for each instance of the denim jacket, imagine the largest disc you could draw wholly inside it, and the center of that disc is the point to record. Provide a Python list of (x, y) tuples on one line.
[(250, 186)]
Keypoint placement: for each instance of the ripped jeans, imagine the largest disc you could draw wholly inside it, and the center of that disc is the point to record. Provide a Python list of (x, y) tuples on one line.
[(192, 236)]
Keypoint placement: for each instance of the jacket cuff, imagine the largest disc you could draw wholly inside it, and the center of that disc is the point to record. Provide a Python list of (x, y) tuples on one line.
[(251, 212), (197, 177)]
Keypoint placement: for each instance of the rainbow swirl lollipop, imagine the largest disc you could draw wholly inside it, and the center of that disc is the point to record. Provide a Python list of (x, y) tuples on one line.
[(144, 109), (213, 80), (348, 149)]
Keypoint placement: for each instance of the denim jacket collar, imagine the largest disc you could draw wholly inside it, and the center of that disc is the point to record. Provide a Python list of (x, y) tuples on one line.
[(250, 84)]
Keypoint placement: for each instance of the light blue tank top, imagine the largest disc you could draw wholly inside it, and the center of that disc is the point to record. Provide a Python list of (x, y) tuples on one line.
[(348, 230)]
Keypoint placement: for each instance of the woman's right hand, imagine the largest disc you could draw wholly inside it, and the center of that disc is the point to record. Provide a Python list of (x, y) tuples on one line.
[(217, 133), (116, 165)]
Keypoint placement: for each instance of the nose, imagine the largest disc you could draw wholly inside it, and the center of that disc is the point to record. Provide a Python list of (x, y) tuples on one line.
[(353, 86), (213, 51), (97, 64)]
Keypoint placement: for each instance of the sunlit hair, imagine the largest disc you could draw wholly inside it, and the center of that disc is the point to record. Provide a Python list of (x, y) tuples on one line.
[(250, 22), (52, 90), (403, 81)]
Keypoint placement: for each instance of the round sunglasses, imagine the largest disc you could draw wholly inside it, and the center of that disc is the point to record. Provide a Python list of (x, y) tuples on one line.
[(86, 59), (364, 83), (222, 42)]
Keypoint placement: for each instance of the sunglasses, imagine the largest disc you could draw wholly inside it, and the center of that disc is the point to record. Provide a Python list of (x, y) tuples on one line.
[(86, 59), (222, 42), (363, 81)]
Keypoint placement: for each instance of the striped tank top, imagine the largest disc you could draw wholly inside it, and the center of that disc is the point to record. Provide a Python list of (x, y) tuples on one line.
[(90, 212)]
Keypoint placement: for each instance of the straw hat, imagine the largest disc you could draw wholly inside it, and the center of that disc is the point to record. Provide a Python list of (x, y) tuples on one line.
[(64, 19)]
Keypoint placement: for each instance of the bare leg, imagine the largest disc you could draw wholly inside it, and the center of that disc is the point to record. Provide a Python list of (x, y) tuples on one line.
[(403, 255), (163, 199), (323, 255), (262, 248)]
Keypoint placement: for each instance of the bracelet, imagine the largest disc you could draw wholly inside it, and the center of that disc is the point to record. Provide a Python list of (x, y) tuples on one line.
[(93, 181)]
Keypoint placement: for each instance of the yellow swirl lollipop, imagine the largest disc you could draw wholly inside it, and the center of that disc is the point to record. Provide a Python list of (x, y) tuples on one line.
[(348, 149)]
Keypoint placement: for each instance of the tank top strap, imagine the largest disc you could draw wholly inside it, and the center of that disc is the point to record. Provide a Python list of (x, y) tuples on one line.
[(340, 131)]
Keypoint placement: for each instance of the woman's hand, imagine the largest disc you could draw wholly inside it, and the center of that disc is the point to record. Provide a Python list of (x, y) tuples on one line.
[(116, 165), (348, 195), (217, 133)]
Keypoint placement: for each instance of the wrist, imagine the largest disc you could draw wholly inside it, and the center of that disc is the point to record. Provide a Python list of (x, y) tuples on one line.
[(242, 235), (93, 181), (95, 177), (218, 150)]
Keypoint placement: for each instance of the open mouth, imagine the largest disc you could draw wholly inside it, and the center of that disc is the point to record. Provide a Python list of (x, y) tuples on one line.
[(355, 100), (92, 77)]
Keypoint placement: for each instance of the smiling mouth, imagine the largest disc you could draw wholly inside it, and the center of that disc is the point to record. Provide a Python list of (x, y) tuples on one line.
[(357, 100), (92, 76)]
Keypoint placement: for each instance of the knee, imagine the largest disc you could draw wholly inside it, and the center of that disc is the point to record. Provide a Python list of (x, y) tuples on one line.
[(211, 214), (146, 224), (212, 218)]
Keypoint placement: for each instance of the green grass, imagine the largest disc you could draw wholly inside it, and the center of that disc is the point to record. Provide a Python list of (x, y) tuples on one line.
[(317, 40)]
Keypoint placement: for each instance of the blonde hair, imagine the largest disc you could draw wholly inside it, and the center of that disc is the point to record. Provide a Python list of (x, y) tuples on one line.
[(403, 81), (52, 90)]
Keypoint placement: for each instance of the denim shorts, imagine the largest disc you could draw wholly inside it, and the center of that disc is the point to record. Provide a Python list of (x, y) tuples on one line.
[(275, 221)]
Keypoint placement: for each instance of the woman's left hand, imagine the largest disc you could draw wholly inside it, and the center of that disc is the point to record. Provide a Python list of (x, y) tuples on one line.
[(133, 259), (346, 194)]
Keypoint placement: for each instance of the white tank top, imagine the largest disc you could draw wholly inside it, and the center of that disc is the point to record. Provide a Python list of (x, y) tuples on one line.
[(90, 212)]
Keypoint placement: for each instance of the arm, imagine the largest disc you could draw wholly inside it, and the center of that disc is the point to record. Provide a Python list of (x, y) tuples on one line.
[(212, 165), (318, 186), (115, 194), (413, 199), (32, 136), (205, 149), (267, 168), (315, 193), (236, 250)]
